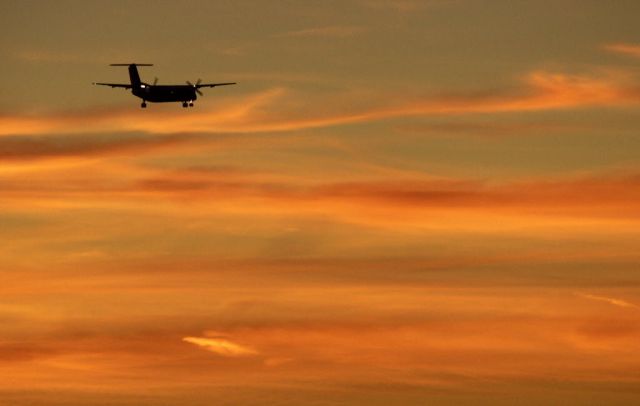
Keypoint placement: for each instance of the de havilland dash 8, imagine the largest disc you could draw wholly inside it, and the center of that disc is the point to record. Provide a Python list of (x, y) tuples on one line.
[(161, 93)]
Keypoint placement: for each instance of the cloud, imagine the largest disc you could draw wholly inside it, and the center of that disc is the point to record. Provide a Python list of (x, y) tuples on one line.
[(408, 201), (279, 110), (128, 120), (21, 352), (490, 340), (481, 129), (597, 192), (632, 50), (612, 301), (18, 148), (310, 332), (221, 346)]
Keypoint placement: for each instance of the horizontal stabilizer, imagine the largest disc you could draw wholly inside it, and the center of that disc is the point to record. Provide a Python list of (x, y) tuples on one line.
[(122, 85), (129, 64), (214, 84)]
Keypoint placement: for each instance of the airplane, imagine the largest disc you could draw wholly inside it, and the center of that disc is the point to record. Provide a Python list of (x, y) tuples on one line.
[(160, 93)]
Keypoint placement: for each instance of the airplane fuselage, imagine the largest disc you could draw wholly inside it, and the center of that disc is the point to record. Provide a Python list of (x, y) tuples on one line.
[(165, 93)]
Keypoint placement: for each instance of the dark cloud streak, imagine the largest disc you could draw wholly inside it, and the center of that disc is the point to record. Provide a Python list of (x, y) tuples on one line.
[(17, 148)]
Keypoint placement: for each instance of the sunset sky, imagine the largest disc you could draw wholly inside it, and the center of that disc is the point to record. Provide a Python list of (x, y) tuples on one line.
[(401, 202)]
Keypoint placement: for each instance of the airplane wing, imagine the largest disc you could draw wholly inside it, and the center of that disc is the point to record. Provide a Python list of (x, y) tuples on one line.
[(213, 84), (126, 86)]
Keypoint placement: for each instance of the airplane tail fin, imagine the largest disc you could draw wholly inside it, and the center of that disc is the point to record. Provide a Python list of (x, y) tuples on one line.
[(133, 71)]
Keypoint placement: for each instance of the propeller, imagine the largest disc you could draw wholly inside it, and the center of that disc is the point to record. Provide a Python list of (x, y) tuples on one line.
[(196, 86)]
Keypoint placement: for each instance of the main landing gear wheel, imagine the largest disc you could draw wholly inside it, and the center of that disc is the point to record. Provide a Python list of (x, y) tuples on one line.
[(143, 105), (184, 104), (191, 104)]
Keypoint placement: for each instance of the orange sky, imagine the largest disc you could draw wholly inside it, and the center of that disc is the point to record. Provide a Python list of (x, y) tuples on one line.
[(401, 202)]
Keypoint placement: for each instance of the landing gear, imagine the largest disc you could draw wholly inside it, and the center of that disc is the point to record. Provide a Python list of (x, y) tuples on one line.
[(143, 105), (190, 104), (185, 104)]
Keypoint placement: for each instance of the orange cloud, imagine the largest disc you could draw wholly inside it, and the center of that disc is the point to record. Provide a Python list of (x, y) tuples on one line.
[(632, 50), (18, 148), (24, 352), (220, 346), (452, 334), (603, 199), (613, 193), (266, 111), (610, 300)]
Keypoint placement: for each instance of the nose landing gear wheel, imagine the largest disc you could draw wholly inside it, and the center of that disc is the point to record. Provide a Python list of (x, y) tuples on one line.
[(143, 105)]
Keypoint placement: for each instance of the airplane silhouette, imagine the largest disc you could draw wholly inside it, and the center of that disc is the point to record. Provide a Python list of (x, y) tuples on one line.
[(161, 93)]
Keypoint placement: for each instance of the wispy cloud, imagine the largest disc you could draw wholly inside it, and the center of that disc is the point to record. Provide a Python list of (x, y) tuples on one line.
[(610, 300), (267, 111), (481, 129), (598, 202), (625, 49), (17, 148), (221, 346), (557, 195)]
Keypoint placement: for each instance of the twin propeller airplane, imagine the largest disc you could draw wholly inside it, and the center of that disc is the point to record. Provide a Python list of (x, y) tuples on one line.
[(161, 93)]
